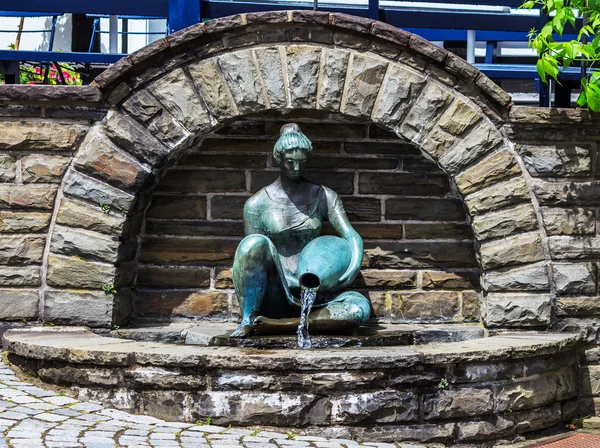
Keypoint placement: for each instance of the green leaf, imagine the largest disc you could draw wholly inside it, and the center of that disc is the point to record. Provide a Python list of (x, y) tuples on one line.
[(540, 69), (581, 99), (550, 66), (547, 30), (592, 94), (527, 5), (596, 41)]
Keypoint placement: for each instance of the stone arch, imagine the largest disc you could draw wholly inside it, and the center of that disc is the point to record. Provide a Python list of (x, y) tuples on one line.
[(167, 96)]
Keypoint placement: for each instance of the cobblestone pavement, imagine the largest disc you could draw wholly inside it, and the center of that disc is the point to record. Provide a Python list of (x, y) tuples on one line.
[(32, 417)]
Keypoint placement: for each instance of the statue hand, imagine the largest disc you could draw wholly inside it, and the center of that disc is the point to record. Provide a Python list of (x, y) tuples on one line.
[(350, 274)]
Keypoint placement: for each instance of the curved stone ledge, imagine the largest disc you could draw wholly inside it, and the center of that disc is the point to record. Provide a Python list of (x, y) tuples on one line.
[(66, 95), (496, 388)]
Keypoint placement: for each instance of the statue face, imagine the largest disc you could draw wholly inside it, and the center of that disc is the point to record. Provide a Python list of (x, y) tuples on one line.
[(293, 163)]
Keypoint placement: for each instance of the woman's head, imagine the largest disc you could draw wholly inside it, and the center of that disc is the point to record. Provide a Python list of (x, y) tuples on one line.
[(292, 151)]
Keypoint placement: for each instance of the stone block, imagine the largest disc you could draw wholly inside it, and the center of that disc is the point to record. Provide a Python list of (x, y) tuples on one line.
[(556, 160), (436, 142), (136, 140), (364, 81), (204, 181), (505, 223), (223, 279), (189, 303), (494, 428), (7, 168), (409, 254), (87, 376), (532, 277), (23, 222), (589, 381), (22, 249), (461, 402), (567, 193), (103, 160), (91, 308), (399, 147), (494, 197), (18, 304), (75, 214), (425, 112), (578, 306), (235, 161), (375, 407), (170, 277), (209, 251), (426, 433), (227, 207), (40, 168), (424, 210), (333, 77), (242, 78), (574, 278), (271, 70), (20, 276), (261, 408), (476, 144), (81, 186), (178, 206), (76, 273), (169, 405), (537, 419), (493, 90), (450, 280), (424, 306), (573, 247), (459, 117), (177, 94), (338, 163), (438, 230), (41, 135), (517, 310), (39, 197), (569, 221), (196, 228), (303, 63), (362, 209), (519, 249), (471, 306), (84, 243), (412, 184), (385, 278), (492, 169), (213, 89), (163, 378), (240, 380)]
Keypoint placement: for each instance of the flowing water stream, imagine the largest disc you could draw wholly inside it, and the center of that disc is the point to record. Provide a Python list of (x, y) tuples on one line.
[(307, 299)]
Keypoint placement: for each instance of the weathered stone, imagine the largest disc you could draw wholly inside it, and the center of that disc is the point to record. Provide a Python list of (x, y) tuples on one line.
[(20, 276), (589, 380), (74, 214), (84, 243), (375, 407), (182, 207), (242, 78), (556, 160), (523, 278), (409, 254), (410, 184), (303, 75), (450, 280), (23, 222), (490, 170), (567, 193), (203, 181), (89, 376), (424, 112), (223, 279), (423, 306), (519, 249), (17, 304), (471, 306), (176, 92), (385, 278), (84, 187), (92, 308), (364, 78), (189, 303), (333, 77), (574, 278), (227, 207), (271, 70), (73, 272), (461, 402), (424, 210), (478, 142), (494, 428), (459, 117), (101, 159), (439, 74), (135, 139), (505, 223), (423, 433), (180, 277), (22, 249), (7, 168), (572, 247), (164, 378), (537, 419), (569, 221), (578, 306), (27, 196), (517, 310), (43, 168), (496, 196), (437, 141), (40, 135)]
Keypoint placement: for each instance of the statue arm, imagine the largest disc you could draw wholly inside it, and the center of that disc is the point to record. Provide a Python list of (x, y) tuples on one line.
[(339, 221), (251, 218)]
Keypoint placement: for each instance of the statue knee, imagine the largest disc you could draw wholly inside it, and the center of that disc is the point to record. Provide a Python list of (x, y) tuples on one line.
[(254, 246)]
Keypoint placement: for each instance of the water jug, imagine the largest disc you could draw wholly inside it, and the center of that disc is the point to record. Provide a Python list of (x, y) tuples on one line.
[(323, 261)]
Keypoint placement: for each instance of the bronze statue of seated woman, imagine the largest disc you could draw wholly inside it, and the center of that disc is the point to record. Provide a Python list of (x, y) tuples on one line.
[(279, 222)]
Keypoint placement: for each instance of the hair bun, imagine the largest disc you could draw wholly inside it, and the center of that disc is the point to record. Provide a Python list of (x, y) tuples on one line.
[(289, 128)]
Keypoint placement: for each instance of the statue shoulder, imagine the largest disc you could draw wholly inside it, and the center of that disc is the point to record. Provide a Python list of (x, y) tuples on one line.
[(255, 202), (333, 199)]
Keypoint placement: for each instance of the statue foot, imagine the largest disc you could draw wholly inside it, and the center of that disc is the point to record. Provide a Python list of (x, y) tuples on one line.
[(266, 325), (243, 331)]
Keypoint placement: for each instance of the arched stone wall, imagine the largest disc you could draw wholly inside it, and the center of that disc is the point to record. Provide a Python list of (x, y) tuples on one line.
[(169, 95)]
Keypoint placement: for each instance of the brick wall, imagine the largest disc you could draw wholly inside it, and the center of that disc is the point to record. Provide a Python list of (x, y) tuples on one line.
[(419, 263)]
